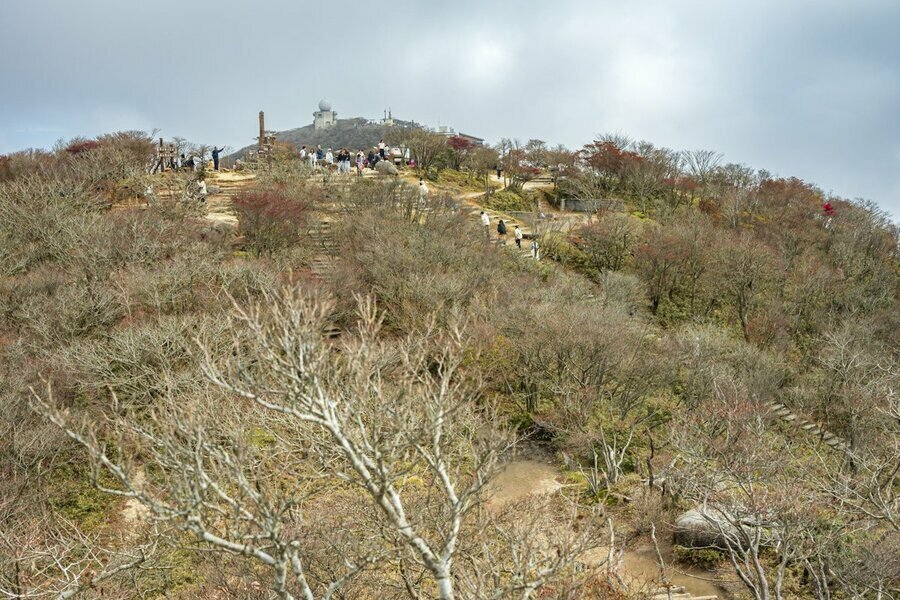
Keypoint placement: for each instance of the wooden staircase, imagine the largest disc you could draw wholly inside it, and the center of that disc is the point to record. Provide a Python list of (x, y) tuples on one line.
[(677, 593), (786, 415)]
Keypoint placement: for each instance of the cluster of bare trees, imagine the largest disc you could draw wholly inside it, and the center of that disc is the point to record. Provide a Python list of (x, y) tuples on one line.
[(251, 429), (392, 428)]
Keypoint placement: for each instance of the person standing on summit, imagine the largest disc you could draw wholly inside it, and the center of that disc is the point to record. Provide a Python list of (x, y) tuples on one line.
[(381, 149), (215, 154)]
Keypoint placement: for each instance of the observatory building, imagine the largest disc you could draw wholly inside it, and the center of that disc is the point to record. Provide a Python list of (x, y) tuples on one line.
[(324, 117)]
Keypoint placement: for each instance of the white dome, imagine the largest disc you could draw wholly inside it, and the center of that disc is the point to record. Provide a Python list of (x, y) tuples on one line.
[(324, 105)]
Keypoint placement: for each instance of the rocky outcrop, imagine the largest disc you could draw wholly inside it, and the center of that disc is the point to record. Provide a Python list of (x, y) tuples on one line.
[(703, 529)]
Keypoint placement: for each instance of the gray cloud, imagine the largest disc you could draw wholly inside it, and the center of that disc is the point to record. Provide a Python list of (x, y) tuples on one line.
[(805, 88)]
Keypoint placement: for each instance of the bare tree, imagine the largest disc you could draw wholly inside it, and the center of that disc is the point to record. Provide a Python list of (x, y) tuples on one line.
[(369, 416), (702, 164), (49, 557)]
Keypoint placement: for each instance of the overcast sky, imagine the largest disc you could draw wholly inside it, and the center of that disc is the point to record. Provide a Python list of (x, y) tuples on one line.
[(809, 88)]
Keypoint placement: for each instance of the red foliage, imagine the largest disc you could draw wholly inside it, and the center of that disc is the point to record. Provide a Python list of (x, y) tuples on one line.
[(607, 158), (684, 183), (82, 146), (460, 144), (271, 219), (710, 207), (784, 193)]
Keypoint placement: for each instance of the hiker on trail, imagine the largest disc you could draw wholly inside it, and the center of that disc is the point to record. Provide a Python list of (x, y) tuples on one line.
[(215, 153), (381, 148), (360, 162), (303, 153), (829, 211), (423, 191), (201, 190), (371, 159), (535, 250), (329, 157), (485, 219), (499, 170), (149, 195), (320, 154), (196, 162), (182, 161), (501, 231), (517, 233)]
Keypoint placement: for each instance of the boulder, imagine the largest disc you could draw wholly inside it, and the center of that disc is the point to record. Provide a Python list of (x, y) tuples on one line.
[(384, 167), (696, 529)]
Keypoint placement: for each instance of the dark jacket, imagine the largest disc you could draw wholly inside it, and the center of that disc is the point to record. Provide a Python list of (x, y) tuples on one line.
[(501, 228)]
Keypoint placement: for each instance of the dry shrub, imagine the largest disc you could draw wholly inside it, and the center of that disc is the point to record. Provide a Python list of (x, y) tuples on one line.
[(271, 219), (414, 270), (244, 280), (177, 286), (64, 314), (143, 363)]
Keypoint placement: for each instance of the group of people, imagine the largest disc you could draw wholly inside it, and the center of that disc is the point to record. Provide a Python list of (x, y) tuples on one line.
[(517, 234), (345, 160), (195, 162)]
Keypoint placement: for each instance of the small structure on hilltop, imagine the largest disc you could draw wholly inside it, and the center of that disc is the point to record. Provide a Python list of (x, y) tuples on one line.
[(449, 132), (388, 120), (324, 117), (166, 156), (266, 139), (475, 141)]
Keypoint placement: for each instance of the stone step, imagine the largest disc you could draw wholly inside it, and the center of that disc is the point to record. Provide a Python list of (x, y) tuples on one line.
[(807, 426), (675, 589), (789, 417)]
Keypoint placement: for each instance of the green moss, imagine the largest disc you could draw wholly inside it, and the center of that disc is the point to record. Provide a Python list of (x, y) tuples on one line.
[(73, 495), (183, 572), (505, 200), (704, 558), (521, 421), (261, 438), (180, 574)]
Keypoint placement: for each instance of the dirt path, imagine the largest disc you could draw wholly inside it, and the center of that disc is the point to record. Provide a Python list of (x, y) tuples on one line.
[(219, 207), (522, 478), (526, 477)]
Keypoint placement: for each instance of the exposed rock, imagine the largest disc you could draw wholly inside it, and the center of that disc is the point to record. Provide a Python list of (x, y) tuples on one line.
[(693, 529), (384, 167)]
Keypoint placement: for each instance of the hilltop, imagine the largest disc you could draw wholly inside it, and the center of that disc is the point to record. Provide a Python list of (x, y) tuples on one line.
[(354, 133)]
